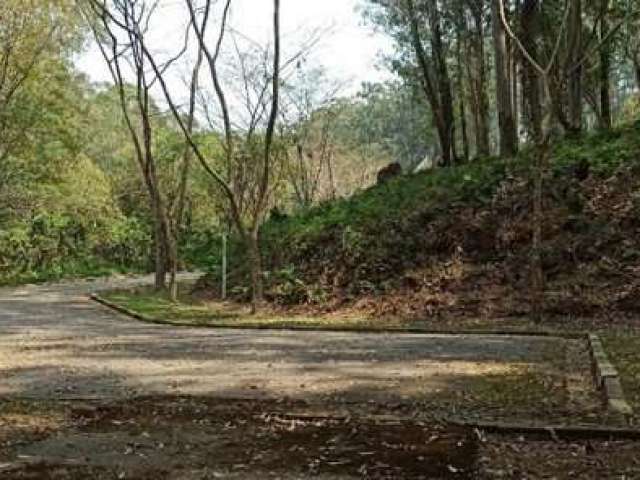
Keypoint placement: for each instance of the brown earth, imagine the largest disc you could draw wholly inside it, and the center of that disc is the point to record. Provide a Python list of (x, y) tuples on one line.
[(195, 438), (448, 261), (190, 438), (90, 394)]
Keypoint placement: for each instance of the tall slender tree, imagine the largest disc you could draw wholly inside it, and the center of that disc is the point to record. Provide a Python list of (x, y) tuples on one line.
[(246, 217), (504, 99), (543, 144), (476, 70), (573, 66), (606, 120)]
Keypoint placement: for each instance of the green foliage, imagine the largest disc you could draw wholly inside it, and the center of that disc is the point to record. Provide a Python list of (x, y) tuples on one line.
[(190, 311), (603, 151), (202, 248), (127, 245), (363, 244), (396, 199), (71, 197), (59, 215), (288, 288), (625, 355), (48, 248), (389, 119)]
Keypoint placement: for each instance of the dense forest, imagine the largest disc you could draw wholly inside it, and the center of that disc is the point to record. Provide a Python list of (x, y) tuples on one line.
[(496, 102)]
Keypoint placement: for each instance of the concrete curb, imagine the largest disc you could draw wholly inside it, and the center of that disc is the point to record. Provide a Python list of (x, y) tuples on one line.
[(605, 375), (409, 330), (565, 432), (608, 381)]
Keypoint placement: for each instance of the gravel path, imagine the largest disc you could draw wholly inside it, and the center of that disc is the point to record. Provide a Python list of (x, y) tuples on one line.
[(55, 343)]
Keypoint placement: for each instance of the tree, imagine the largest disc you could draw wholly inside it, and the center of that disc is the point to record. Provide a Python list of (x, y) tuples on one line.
[(310, 115), (257, 149), (543, 144), (38, 92), (435, 74), (606, 120), (476, 73), (531, 28), (632, 44), (460, 83), (574, 66), (33, 34), (420, 32), (504, 93), (138, 109)]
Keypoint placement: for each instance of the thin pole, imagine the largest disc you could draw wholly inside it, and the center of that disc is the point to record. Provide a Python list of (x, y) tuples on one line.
[(224, 266)]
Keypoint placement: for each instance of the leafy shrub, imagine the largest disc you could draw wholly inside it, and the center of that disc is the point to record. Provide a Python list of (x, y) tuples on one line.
[(364, 245), (128, 243)]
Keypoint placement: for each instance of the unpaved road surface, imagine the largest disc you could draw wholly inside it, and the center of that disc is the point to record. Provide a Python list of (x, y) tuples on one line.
[(88, 393), (55, 343)]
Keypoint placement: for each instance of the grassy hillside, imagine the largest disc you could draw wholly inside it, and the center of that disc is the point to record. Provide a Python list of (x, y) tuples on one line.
[(455, 242)]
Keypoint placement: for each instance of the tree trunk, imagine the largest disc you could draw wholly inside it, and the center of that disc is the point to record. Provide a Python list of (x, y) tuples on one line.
[(174, 225), (223, 280), (515, 105), (605, 69), (160, 254), (543, 145), (444, 87), (166, 248), (636, 69), (172, 260), (482, 114), (454, 146), (444, 137), (461, 95), (332, 181), (529, 22), (575, 66), (436, 84), (255, 264), (463, 128), (506, 121)]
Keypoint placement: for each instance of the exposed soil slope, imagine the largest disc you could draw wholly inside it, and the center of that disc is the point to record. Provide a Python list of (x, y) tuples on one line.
[(455, 242)]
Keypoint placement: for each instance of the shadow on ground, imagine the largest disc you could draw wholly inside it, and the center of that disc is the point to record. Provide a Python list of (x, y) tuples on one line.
[(90, 394), (191, 438)]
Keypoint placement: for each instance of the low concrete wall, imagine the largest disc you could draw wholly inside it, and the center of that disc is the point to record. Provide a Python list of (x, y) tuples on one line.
[(608, 381)]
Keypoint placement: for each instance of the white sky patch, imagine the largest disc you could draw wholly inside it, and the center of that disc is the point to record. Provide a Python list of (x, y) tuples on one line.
[(348, 50)]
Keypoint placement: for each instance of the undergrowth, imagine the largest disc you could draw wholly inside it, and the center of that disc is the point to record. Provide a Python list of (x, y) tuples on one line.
[(456, 241)]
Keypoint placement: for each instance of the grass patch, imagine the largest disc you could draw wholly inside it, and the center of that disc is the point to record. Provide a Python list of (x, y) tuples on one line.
[(523, 393), (189, 311), (624, 352)]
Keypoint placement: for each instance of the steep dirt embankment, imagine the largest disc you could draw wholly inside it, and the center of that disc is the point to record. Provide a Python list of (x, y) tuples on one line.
[(456, 242)]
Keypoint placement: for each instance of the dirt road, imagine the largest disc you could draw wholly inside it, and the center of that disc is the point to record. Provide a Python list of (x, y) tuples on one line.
[(55, 343), (87, 393)]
